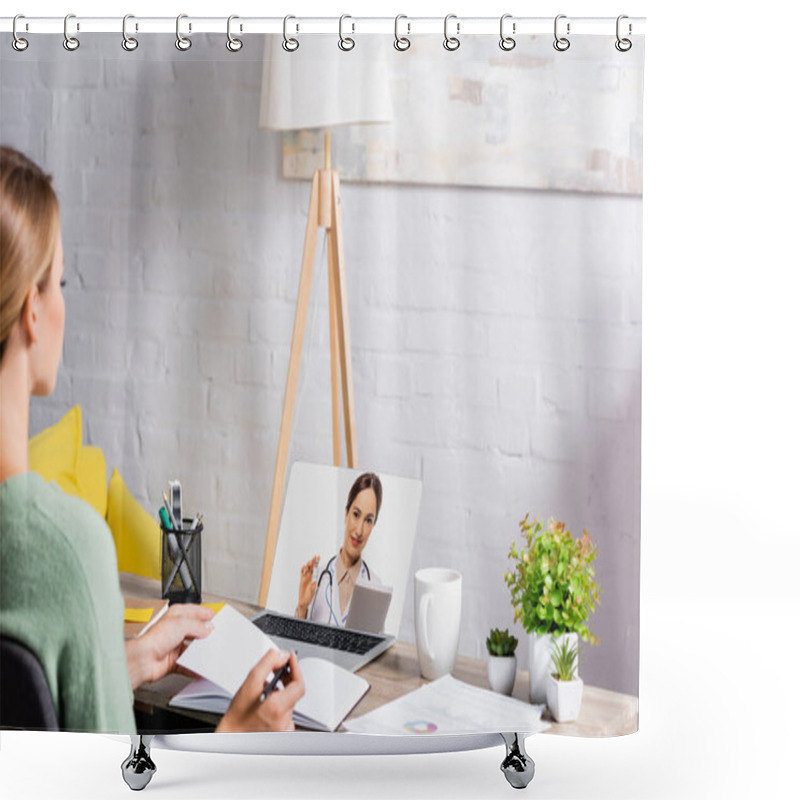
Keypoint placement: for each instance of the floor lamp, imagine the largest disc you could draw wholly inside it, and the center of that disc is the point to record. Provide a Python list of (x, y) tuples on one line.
[(318, 87)]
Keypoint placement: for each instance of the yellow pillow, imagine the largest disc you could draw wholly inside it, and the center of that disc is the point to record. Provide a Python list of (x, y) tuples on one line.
[(92, 478), (137, 535), (54, 453)]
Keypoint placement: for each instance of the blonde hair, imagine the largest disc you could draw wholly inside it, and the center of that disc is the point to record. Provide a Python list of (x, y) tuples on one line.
[(29, 223)]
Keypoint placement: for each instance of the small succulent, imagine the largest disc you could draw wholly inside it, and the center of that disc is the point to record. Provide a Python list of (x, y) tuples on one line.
[(564, 659), (501, 643)]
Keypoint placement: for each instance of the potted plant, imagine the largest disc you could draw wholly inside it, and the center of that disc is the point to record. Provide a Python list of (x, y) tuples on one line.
[(564, 688), (502, 664), (553, 592)]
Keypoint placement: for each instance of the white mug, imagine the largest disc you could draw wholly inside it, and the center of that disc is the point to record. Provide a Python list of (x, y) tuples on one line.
[(437, 618)]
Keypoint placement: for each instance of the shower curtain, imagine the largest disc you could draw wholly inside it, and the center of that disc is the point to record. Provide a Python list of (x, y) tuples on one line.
[(491, 203)]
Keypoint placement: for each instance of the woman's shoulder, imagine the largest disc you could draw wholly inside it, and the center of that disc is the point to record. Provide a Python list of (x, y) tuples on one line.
[(29, 496), (42, 519), (57, 552)]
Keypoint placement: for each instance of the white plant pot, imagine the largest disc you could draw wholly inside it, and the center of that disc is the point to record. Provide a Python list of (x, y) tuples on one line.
[(502, 672), (564, 699), (541, 663)]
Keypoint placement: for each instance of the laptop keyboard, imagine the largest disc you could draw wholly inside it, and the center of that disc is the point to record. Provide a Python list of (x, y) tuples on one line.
[(313, 633)]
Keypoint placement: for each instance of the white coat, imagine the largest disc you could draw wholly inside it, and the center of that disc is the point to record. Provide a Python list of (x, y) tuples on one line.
[(325, 605)]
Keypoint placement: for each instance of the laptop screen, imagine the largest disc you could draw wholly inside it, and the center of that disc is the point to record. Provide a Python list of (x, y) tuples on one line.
[(316, 522)]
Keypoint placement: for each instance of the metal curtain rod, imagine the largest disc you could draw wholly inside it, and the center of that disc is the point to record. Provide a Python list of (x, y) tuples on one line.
[(459, 26)]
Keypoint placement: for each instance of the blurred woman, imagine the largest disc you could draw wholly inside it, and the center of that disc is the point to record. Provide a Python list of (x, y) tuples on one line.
[(59, 590)]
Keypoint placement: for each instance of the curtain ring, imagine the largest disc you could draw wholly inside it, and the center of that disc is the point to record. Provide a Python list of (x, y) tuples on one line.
[(70, 42), (18, 43), (181, 42), (507, 42), (345, 42), (288, 44), (129, 43), (561, 43), (623, 45), (401, 43), (233, 44), (451, 42)]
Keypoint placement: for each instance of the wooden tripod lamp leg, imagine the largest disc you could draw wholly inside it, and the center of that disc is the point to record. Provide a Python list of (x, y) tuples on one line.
[(303, 294), (333, 307), (324, 210), (343, 322)]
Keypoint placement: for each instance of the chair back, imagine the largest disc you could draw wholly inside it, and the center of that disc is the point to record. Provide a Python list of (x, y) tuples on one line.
[(25, 699)]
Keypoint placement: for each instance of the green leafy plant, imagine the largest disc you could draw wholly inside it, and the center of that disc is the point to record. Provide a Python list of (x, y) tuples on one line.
[(501, 643), (553, 585), (564, 659)]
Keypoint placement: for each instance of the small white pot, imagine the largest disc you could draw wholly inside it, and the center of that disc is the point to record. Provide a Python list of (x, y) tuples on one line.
[(564, 699), (540, 662), (502, 672)]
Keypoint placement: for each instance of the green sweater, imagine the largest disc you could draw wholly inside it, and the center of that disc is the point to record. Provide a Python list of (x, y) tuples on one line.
[(59, 595)]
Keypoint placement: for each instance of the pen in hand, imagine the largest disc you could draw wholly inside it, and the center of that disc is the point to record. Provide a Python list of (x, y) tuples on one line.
[(155, 618), (273, 683)]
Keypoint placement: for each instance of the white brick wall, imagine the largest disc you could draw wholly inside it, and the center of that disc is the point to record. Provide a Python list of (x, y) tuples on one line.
[(496, 334)]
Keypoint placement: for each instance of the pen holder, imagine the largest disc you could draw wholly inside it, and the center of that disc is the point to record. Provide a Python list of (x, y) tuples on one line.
[(181, 579)]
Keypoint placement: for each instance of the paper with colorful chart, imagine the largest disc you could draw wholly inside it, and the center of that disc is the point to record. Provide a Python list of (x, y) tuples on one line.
[(448, 706)]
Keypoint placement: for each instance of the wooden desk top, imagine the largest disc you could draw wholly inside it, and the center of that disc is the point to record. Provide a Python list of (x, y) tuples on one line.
[(393, 674)]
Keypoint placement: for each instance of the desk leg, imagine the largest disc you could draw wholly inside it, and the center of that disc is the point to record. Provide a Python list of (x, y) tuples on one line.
[(138, 768), (517, 766)]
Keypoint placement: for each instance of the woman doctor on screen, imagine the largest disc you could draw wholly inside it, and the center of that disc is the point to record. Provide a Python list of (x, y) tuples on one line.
[(328, 599)]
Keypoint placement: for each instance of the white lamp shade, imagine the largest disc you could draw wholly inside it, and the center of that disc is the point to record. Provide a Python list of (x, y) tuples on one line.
[(319, 85)]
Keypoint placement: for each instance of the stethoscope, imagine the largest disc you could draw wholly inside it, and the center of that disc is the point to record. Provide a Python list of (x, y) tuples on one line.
[(328, 594)]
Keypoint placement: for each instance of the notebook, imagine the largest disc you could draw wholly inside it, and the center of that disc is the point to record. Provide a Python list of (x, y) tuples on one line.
[(225, 657)]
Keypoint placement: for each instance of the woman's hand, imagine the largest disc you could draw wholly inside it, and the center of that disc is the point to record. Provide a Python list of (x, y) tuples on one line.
[(246, 714), (153, 655), (307, 587)]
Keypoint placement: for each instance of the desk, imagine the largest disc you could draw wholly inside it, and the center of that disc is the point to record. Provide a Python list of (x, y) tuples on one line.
[(393, 674)]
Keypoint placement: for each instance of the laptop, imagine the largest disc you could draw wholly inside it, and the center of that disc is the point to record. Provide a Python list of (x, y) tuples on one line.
[(348, 648), (312, 523)]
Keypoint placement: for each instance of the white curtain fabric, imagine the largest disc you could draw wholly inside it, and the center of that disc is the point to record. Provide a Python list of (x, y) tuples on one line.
[(492, 245)]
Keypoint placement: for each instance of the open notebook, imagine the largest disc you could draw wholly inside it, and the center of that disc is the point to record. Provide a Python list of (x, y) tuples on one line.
[(228, 653)]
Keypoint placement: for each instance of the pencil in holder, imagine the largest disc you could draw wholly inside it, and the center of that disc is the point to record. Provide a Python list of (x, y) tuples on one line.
[(181, 556)]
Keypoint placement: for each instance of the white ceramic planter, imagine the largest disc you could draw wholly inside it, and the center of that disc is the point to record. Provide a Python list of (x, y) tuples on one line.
[(502, 672), (564, 699), (541, 663)]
